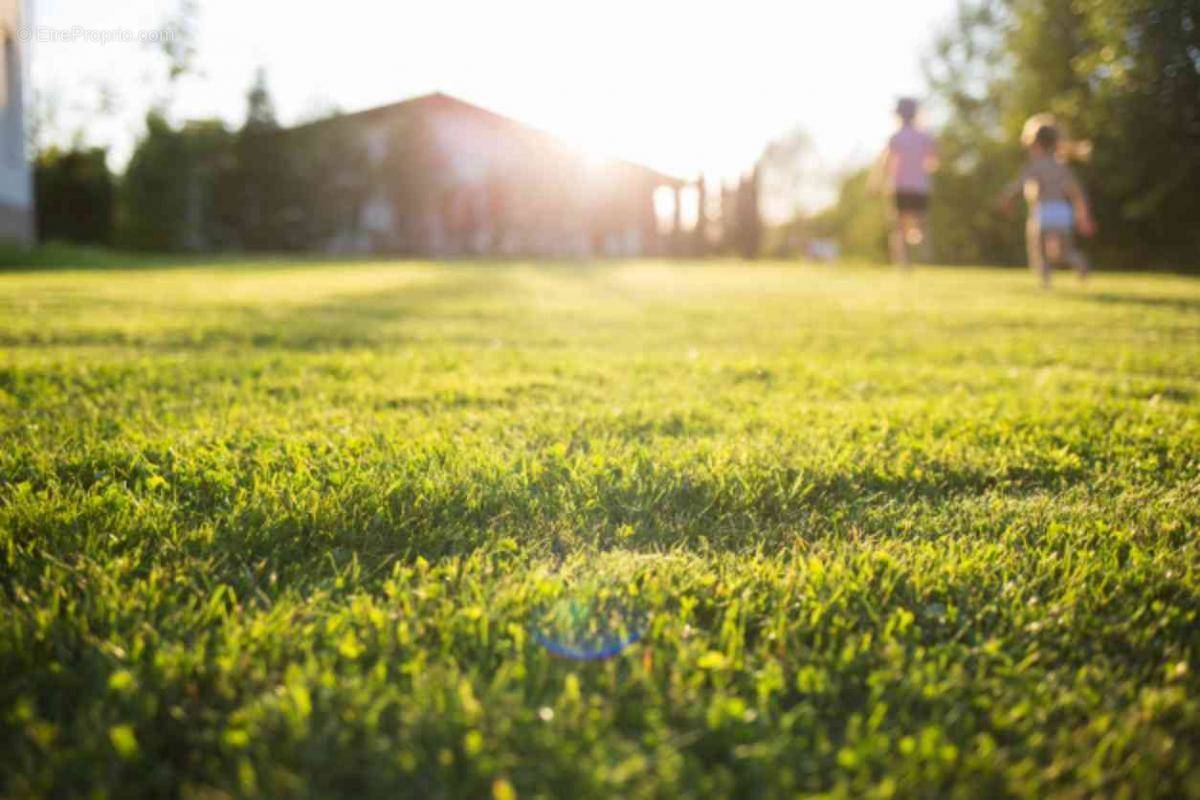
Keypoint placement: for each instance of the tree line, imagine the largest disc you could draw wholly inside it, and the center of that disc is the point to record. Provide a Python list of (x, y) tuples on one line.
[(1122, 76), (199, 186), (203, 187)]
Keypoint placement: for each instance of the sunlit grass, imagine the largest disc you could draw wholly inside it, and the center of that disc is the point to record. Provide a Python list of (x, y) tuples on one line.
[(307, 530)]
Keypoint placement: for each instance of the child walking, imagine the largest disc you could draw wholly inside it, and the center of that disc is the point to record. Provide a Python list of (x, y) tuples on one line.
[(904, 168), (1057, 204)]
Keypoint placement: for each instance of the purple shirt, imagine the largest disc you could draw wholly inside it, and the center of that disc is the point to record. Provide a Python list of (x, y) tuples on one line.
[(909, 153)]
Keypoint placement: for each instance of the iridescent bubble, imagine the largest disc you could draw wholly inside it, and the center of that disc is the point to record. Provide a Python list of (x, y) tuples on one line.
[(590, 612)]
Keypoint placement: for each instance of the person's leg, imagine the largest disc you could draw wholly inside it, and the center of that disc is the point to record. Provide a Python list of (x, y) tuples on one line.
[(921, 224), (1035, 251), (1052, 246), (1074, 258), (912, 207), (907, 227), (897, 246)]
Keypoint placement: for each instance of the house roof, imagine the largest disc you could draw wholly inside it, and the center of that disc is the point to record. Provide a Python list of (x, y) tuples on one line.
[(445, 101)]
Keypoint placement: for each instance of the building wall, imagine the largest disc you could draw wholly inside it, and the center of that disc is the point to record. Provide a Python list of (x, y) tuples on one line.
[(494, 188), (16, 181)]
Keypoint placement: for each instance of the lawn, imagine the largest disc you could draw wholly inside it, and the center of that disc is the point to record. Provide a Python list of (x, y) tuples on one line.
[(410, 529)]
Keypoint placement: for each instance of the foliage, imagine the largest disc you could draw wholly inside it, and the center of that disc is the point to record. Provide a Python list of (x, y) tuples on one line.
[(415, 163), (60, 255), (153, 196), (180, 48), (201, 187), (260, 186), (263, 188), (1144, 112), (287, 530), (328, 170), (74, 194), (858, 220), (701, 244), (1123, 74), (169, 197), (787, 170), (741, 222)]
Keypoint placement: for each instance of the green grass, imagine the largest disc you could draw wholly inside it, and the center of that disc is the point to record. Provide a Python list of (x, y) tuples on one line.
[(303, 530)]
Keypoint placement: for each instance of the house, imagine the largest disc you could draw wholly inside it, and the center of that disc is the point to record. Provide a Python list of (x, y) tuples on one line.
[(438, 176), (16, 183)]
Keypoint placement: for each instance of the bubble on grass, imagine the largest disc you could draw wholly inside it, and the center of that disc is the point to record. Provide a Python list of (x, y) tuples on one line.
[(583, 629), (590, 609)]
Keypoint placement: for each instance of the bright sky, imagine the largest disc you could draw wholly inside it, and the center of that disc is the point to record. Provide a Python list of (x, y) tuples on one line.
[(680, 85)]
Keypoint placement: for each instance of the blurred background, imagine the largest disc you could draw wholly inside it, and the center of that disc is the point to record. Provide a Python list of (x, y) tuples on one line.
[(573, 129)]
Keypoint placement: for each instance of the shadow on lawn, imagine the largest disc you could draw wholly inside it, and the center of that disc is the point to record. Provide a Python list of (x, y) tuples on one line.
[(64, 257), (1181, 304), (464, 304), (301, 529), (373, 524), (345, 321), (459, 295)]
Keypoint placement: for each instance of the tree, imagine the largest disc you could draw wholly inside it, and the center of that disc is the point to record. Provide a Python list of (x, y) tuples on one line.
[(179, 49), (700, 243), (856, 219), (1124, 74), (169, 198), (787, 167), (330, 174), (968, 72), (1142, 70), (260, 186), (748, 226), (74, 191), (152, 207), (260, 109)]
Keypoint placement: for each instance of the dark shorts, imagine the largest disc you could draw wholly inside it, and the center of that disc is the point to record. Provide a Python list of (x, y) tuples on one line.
[(911, 202)]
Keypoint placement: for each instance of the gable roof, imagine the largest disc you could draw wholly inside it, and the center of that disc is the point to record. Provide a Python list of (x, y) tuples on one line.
[(439, 100)]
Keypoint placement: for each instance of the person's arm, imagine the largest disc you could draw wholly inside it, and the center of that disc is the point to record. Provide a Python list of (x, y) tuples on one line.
[(1008, 195), (879, 170), (932, 160), (1079, 201)]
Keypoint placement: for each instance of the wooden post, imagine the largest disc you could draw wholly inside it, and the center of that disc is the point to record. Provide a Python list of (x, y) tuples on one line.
[(677, 223)]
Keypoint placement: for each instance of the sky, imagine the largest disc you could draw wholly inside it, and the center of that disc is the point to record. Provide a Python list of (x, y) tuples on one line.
[(684, 87)]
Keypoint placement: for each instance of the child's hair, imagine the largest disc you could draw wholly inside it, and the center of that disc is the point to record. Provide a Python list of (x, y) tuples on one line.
[(1046, 138), (906, 108), (1063, 146), (1034, 125)]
